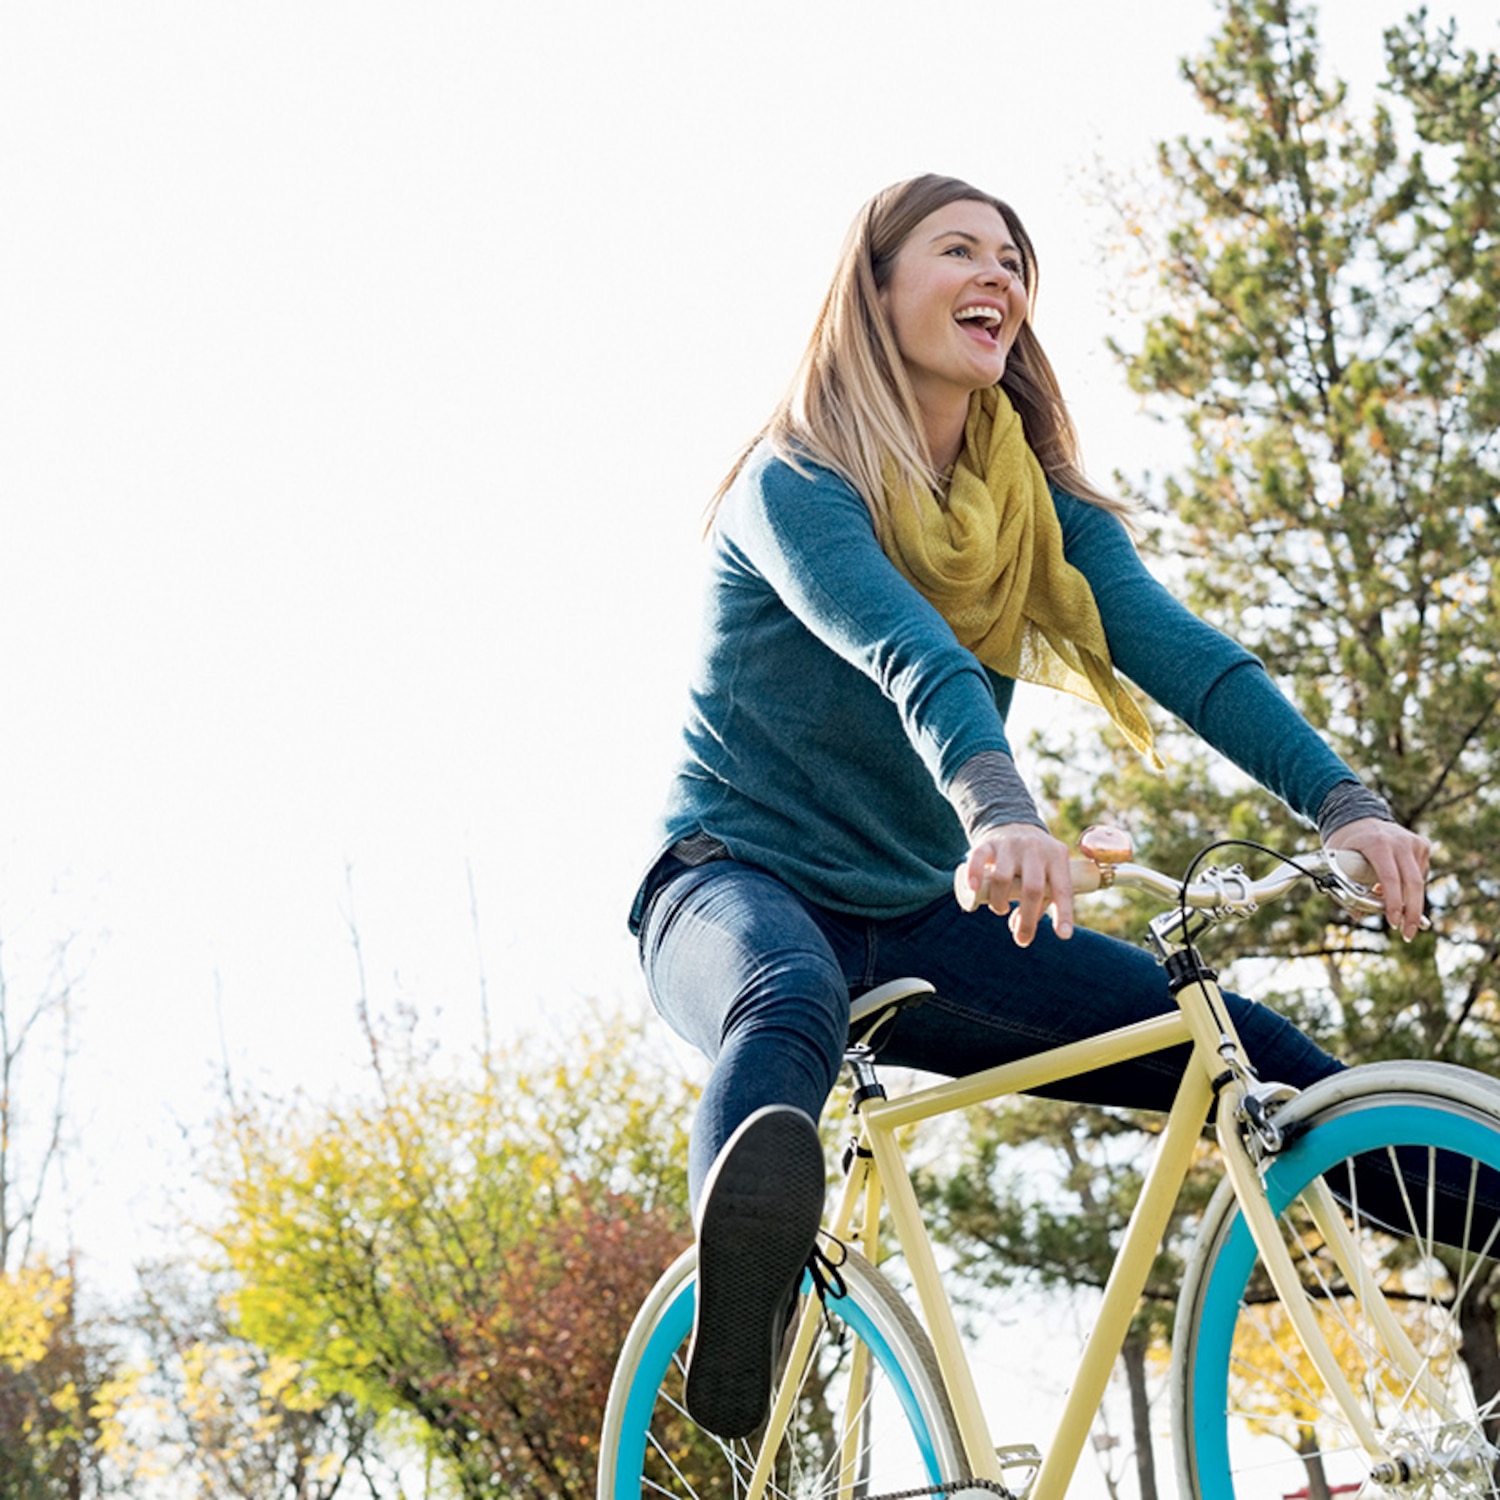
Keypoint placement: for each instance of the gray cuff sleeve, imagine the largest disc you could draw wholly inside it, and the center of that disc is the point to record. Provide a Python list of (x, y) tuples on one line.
[(987, 792), (1346, 803)]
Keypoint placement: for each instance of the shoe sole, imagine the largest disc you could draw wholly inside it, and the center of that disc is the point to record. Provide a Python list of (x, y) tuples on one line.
[(761, 1207)]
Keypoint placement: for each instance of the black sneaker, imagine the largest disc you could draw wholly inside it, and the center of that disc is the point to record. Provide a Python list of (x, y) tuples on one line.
[(757, 1223)]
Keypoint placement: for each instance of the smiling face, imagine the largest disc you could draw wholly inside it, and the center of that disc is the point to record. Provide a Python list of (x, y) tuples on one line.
[(956, 299)]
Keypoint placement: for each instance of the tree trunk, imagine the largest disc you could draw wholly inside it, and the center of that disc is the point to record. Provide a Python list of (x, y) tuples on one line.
[(1479, 1348), (1312, 1462), (1134, 1356)]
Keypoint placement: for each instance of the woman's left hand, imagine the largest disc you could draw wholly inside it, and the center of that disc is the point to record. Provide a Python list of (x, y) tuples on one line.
[(1399, 858)]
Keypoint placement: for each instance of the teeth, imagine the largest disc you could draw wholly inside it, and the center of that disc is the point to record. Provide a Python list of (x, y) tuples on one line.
[(986, 314)]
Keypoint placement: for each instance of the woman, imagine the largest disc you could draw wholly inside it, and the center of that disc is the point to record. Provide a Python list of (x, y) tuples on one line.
[(909, 535)]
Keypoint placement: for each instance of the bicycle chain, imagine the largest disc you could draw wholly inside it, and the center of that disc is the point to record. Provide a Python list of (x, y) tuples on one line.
[(951, 1487)]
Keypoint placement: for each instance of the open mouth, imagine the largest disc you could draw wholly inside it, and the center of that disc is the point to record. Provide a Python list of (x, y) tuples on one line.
[(982, 321)]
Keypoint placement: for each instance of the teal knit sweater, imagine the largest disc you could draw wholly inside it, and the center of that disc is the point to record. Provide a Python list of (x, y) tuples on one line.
[(831, 704)]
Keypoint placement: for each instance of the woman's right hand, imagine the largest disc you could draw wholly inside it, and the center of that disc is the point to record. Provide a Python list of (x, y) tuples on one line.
[(1400, 859), (1026, 866)]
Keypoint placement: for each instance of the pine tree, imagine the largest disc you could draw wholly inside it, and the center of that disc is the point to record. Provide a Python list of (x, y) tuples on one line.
[(1326, 329), (1328, 334)]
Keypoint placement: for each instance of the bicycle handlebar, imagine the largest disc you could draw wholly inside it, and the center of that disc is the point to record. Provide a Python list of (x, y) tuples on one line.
[(1343, 874)]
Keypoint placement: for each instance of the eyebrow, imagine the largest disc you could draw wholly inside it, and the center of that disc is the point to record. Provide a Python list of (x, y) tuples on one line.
[(973, 239)]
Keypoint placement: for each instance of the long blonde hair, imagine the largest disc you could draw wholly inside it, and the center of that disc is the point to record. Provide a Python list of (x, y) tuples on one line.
[(850, 406)]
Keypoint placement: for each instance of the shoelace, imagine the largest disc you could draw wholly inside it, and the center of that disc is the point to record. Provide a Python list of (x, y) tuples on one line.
[(828, 1280), (826, 1276)]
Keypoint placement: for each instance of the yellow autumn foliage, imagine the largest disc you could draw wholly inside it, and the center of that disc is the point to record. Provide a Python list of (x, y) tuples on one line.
[(33, 1301)]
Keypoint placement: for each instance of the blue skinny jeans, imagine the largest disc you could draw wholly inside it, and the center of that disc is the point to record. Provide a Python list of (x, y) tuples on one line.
[(760, 981)]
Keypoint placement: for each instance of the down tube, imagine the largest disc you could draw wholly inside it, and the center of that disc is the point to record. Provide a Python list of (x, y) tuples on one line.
[(1143, 1237)]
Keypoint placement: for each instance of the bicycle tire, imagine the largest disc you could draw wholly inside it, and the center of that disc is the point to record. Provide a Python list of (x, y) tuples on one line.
[(1250, 1417), (650, 1447)]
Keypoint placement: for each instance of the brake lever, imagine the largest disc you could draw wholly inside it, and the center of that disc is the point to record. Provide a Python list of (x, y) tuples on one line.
[(1341, 880)]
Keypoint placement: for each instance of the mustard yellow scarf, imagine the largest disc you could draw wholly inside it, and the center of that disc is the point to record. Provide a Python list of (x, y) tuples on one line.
[(991, 561)]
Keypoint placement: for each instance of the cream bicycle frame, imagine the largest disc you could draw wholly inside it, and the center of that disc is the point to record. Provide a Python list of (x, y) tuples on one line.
[(881, 1180)]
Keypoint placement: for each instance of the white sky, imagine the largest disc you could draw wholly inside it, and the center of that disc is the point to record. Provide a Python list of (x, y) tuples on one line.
[(363, 371)]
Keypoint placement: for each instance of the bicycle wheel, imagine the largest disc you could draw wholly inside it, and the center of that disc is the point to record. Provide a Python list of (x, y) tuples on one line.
[(1411, 1154), (872, 1369)]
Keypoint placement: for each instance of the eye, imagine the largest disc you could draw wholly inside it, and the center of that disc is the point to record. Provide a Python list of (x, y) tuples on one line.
[(959, 250), (1015, 266)]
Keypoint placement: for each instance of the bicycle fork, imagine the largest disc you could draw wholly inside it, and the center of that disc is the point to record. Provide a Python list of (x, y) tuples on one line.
[(1247, 1139)]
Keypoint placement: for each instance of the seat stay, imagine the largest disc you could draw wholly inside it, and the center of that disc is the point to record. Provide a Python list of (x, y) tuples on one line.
[(942, 1327), (861, 1185)]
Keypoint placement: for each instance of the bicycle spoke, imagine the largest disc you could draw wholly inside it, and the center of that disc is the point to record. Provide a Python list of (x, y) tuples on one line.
[(1408, 1201), (901, 1423)]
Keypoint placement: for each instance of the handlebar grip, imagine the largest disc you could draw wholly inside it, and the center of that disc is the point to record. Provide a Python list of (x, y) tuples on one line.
[(1353, 865), (1085, 873)]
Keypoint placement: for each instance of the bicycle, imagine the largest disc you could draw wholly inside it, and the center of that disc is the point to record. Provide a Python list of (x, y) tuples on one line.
[(1327, 1289)]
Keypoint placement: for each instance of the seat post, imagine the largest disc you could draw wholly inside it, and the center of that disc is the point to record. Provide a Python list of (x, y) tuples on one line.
[(867, 1084)]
